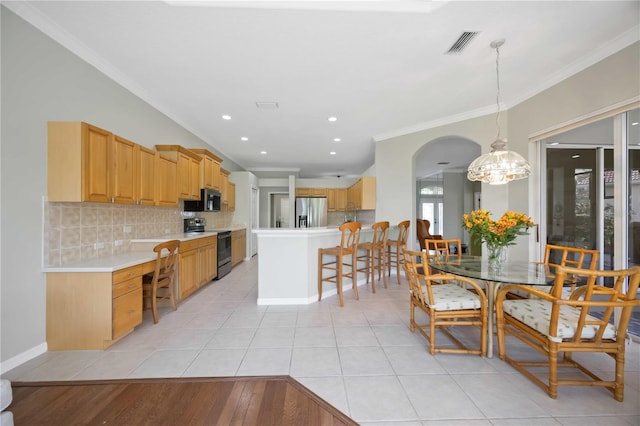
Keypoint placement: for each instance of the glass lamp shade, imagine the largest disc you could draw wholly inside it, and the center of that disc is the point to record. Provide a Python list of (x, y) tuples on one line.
[(498, 166)]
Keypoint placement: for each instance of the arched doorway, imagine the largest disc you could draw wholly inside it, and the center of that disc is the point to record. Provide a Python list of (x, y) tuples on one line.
[(443, 192)]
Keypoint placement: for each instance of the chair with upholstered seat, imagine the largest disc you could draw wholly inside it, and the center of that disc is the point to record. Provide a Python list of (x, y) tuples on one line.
[(158, 285), (374, 256), (423, 232), (348, 248), (558, 327), (444, 250), (394, 249), (448, 301)]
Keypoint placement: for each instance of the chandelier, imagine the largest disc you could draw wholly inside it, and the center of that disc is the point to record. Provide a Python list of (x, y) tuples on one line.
[(500, 165)]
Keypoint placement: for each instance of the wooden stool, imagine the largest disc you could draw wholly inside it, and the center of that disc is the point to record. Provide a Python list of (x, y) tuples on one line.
[(162, 278), (394, 257), (375, 256), (348, 247)]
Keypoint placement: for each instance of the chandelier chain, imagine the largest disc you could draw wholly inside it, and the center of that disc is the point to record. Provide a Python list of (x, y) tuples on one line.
[(498, 91)]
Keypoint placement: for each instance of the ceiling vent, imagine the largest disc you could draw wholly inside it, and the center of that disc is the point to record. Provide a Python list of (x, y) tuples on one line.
[(266, 105), (462, 42)]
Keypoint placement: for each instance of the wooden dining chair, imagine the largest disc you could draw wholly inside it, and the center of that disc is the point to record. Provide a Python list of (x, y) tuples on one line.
[(159, 284), (448, 301), (394, 249), (443, 250), (575, 257), (557, 327), (348, 248), (374, 256)]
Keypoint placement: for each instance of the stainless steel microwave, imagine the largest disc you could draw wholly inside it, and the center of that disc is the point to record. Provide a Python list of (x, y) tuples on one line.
[(210, 201)]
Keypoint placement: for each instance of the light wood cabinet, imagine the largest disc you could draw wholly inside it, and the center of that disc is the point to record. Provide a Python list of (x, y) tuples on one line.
[(209, 169), (311, 192), (188, 170), (91, 310), (224, 186), (124, 170), (86, 163), (147, 174), (78, 162), (363, 193), (198, 264), (166, 186), (341, 199), (238, 246)]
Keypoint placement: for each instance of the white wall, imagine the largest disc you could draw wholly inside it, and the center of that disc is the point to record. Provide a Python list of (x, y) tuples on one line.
[(41, 82), (606, 83)]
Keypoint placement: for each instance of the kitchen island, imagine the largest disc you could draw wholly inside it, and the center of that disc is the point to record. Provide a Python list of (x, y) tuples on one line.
[(288, 264)]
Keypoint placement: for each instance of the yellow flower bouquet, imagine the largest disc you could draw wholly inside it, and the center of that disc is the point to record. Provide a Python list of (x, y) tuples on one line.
[(496, 234)]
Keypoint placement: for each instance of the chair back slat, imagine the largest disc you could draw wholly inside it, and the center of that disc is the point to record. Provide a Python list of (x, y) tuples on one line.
[(350, 236), (403, 232)]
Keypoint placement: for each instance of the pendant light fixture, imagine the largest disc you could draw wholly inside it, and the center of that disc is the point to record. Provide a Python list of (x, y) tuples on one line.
[(500, 165)]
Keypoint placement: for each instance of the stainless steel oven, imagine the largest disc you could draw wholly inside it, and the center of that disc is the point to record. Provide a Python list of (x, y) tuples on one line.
[(224, 253)]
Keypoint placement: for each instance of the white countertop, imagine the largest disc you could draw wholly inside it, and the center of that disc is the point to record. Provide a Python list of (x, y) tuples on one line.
[(105, 264)]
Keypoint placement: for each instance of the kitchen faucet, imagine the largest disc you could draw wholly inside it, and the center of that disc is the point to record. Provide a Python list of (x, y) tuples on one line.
[(346, 209)]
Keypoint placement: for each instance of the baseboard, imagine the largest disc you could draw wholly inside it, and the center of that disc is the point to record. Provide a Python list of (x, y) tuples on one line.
[(308, 300), (20, 359)]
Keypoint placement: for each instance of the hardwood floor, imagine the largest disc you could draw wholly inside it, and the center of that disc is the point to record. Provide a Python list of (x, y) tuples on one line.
[(273, 400)]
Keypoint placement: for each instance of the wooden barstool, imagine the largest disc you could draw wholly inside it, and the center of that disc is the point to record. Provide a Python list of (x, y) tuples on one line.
[(348, 247), (394, 257), (162, 278), (375, 254)]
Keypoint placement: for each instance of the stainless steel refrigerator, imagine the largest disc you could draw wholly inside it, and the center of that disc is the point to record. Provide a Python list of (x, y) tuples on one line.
[(311, 212)]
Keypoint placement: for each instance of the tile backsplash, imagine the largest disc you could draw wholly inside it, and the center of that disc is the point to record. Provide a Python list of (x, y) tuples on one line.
[(80, 231)]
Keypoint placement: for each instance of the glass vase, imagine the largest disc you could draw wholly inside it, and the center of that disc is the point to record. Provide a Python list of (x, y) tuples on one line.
[(496, 256)]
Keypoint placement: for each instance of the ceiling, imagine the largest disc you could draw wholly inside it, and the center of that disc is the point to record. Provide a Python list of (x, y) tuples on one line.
[(379, 67)]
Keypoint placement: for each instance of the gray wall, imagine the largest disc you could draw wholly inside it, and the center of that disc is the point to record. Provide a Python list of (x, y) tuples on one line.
[(41, 82)]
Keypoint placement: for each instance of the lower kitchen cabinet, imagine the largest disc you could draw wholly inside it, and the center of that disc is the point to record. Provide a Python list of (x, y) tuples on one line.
[(198, 264), (91, 310), (238, 246)]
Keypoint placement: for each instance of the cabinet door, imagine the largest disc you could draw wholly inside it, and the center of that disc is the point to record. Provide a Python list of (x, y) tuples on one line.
[(319, 192), (217, 178), (124, 171), (303, 192), (224, 186), (341, 199), (147, 172), (184, 174), (127, 311), (166, 183), (206, 165), (194, 179), (209, 263), (331, 199), (189, 271), (96, 152)]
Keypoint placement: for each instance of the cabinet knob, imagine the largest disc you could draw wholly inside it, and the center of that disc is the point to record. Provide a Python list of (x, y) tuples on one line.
[(131, 311), (131, 285)]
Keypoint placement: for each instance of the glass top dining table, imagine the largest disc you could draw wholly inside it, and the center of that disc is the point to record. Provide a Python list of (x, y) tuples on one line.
[(511, 272)]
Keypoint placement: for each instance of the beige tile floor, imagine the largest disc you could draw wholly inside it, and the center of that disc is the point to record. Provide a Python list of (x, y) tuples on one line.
[(361, 358)]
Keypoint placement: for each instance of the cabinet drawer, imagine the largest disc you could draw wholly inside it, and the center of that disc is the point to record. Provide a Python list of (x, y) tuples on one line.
[(126, 286), (127, 273), (196, 243), (127, 312)]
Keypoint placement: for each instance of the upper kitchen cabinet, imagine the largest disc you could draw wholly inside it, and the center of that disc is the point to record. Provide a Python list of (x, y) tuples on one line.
[(87, 163), (231, 196), (147, 176), (188, 170), (224, 186), (336, 199), (166, 187), (209, 169), (311, 192), (362, 194)]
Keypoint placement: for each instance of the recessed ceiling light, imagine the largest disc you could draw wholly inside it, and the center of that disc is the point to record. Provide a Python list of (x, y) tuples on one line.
[(226, 117), (332, 119), (337, 139), (263, 152), (332, 153), (244, 138), (575, 156)]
